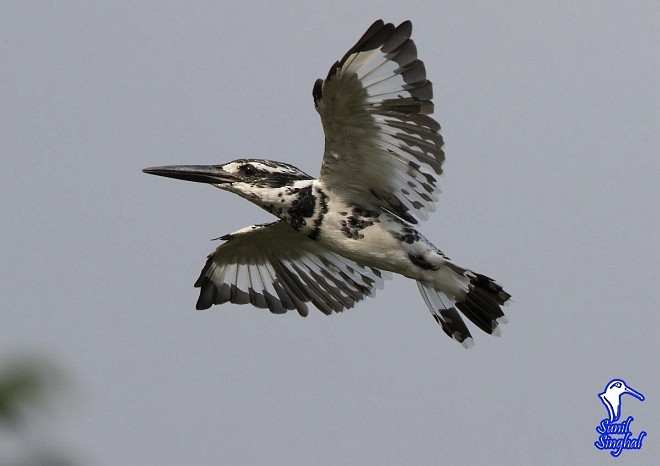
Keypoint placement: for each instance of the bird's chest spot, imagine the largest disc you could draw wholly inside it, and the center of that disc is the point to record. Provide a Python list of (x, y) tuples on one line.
[(301, 208), (358, 219), (406, 234), (305, 210)]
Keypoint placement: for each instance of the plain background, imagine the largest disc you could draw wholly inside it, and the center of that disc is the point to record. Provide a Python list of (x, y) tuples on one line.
[(550, 112)]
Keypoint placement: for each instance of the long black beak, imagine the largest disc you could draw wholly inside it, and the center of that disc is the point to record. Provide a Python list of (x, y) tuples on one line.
[(213, 174)]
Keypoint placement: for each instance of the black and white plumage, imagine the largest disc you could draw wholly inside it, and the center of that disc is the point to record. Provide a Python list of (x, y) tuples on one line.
[(337, 236), (267, 266)]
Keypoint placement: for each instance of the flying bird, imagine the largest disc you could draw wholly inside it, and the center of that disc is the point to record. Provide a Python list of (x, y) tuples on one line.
[(340, 234)]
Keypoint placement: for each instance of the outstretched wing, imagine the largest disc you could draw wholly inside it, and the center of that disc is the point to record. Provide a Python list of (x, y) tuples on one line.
[(274, 267), (379, 141)]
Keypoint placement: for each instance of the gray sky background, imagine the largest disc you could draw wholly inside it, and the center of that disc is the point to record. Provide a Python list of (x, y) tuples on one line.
[(550, 113)]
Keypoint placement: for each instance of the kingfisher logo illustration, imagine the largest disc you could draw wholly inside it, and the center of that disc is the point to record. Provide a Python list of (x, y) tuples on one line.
[(616, 435)]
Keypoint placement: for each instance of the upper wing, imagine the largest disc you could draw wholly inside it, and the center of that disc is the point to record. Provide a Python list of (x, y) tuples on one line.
[(273, 266), (379, 141)]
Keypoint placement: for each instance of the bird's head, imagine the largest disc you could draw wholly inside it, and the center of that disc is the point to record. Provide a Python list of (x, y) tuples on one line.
[(246, 177)]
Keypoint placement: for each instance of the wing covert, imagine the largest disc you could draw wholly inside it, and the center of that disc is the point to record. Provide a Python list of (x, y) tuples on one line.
[(379, 140)]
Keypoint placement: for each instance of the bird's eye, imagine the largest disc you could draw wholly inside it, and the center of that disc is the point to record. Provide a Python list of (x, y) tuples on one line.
[(248, 170)]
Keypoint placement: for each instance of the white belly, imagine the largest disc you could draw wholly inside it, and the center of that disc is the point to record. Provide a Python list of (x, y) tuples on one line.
[(374, 245)]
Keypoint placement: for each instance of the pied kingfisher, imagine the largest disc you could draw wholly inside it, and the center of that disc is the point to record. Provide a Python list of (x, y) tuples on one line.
[(338, 235)]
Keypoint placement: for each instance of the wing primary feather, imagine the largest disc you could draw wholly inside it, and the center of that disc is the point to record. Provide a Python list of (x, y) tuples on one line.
[(421, 157), (315, 295), (359, 45), (400, 34), (210, 264), (218, 279), (411, 190), (422, 91), (364, 71), (348, 274), (403, 59), (287, 296), (275, 305), (274, 282), (354, 292), (292, 284), (256, 288), (238, 295), (405, 54), (205, 299), (412, 142), (328, 282), (331, 289), (319, 292), (427, 134), (291, 279)]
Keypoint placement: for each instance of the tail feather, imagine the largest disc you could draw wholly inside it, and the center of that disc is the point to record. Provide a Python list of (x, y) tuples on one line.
[(488, 286), (445, 314), (480, 304)]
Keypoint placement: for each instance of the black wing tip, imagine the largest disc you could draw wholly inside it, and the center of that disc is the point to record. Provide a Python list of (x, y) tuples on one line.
[(379, 33), (205, 300), (317, 91)]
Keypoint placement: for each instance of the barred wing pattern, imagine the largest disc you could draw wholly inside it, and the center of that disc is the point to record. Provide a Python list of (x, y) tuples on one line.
[(379, 141), (274, 267)]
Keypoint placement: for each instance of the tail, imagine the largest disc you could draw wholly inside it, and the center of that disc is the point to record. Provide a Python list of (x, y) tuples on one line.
[(480, 303)]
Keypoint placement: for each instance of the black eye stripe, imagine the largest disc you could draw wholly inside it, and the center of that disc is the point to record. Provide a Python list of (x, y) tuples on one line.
[(248, 170), (266, 173)]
